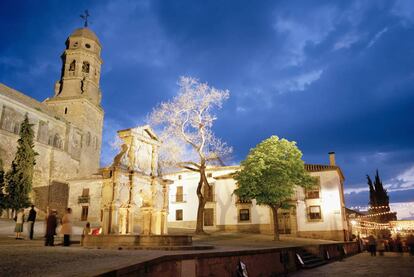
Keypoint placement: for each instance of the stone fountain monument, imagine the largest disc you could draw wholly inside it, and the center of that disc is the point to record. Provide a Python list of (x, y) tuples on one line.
[(134, 198)]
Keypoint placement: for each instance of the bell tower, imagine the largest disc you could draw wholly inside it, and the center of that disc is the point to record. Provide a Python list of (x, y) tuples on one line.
[(77, 96), (81, 67)]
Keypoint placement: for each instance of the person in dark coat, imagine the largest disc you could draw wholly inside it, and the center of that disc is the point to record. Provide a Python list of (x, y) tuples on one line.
[(410, 244), (51, 224), (31, 221), (398, 244)]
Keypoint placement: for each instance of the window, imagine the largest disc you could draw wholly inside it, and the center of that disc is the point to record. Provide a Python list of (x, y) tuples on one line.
[(208, 217), (85, 192), (84, 215), (180, 177), (72, 66), (88, 139), (209, 192), (66, 110), (87, 45), (16, 129), (244, 215), (57, 141), (179, 195), (42, 132), (315, 212), (178, 215), (209, 174), (85, 67), (312, 194)]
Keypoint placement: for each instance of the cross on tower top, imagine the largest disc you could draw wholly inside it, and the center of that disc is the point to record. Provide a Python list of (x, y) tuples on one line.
[(85, 17)]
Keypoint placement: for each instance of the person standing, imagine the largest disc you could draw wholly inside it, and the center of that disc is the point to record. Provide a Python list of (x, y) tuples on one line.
[(381, 247), (372, 245), (86, 231), (410, 244), (398, 245), (51, 224), (67, 227), (31, 221), (19, 218)]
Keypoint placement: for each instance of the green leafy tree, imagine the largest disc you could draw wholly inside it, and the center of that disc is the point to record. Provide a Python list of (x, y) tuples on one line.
[(2, 195), (270, 174), (19, 178)]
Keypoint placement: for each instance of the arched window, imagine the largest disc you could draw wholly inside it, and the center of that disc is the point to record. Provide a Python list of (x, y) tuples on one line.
[(16, 128), (72, 66), (85, 67), (57, 141), (8, 124), (88, 139)]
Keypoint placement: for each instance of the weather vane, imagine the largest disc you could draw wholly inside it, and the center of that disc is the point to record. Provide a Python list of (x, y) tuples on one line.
[(85, 17)]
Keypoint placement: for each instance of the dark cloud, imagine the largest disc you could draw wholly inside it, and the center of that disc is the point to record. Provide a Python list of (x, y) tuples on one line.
[(331, 76)]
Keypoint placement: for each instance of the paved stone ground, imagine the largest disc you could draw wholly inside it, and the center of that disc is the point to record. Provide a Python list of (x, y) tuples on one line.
[(31, 258), (391, 264)]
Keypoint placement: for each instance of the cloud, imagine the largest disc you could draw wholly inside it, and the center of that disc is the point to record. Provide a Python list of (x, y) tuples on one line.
[(402, 182), (299, 32), (360, 188), (405, 10), (377, 37), (10, 61), (300, 82), (346, 41)]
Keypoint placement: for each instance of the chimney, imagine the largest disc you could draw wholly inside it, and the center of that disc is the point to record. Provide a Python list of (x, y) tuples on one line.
[(332, 158)]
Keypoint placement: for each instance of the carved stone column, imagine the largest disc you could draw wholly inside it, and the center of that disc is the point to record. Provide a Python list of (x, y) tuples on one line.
[(146, 222)]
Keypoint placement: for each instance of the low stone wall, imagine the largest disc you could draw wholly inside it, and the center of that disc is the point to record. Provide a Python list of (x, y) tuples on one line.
[(337, 235), (115, 241), (261, 262), (247, 228)]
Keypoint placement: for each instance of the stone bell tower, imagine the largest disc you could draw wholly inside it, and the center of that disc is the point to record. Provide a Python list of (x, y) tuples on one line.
[(77, 96), (81, 67)]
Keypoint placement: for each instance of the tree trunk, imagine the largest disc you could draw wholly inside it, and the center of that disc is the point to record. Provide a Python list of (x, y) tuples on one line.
[(201, 200), (275, 222)]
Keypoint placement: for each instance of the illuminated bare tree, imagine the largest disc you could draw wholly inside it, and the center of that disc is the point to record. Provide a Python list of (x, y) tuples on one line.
[(186, 131)]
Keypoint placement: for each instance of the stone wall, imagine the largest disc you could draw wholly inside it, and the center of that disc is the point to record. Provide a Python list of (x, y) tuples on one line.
[(262, 262), (337, 235), (54, 196), (64, 152)]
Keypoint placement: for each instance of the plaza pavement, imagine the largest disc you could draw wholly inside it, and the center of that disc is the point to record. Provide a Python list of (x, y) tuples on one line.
[(31, 258)]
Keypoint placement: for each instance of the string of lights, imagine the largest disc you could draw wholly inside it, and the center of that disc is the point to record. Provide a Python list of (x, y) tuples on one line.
[(411, 204), (376, 214)]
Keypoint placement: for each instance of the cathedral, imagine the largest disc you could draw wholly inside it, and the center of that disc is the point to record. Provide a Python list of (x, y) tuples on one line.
[(67, 125), (125, 197)]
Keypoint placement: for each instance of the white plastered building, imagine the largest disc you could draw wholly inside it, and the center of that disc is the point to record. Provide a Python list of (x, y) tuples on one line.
[(318, 213)]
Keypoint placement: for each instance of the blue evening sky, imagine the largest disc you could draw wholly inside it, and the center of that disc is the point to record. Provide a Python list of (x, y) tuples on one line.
[(331, 75)]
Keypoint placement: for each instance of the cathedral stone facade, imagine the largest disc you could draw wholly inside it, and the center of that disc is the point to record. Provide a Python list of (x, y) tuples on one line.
[(67, 126)]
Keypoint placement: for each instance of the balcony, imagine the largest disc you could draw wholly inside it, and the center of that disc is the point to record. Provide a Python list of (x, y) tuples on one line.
[(178, 198), (83, 199)]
